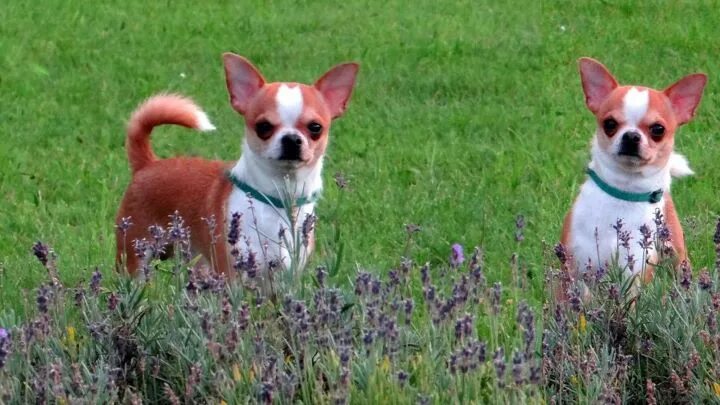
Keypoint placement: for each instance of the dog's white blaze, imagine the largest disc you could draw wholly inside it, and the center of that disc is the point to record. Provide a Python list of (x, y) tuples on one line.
[(635, 105), (289, 104)]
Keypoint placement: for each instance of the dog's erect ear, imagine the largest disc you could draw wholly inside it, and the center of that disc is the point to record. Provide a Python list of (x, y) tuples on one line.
[(685, 95), (243, 80), (336, 86), (597, 82)]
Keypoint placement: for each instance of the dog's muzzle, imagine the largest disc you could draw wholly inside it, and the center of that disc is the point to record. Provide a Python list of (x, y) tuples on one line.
[(291, 147), (630, 144)]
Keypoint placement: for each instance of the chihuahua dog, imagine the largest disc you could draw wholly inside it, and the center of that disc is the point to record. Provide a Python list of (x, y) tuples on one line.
[(630, 171), (265, 198)]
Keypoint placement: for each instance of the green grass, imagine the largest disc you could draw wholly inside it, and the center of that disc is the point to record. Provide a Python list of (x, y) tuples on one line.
[(465, 115)]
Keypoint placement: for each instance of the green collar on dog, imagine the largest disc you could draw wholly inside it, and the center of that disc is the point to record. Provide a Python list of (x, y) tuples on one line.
[(268, 199), (651, 197)]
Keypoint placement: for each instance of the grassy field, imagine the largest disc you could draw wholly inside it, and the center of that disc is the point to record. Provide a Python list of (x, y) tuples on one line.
[(465, 115)]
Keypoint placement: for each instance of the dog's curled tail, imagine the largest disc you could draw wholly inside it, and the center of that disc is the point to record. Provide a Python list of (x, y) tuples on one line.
[(160, 110)]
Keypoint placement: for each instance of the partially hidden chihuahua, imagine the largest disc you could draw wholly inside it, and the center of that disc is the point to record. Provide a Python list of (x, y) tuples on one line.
[(629, 175), (287, 126)]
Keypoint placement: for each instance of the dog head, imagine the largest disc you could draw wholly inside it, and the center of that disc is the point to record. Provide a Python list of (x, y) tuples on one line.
[(636, 125), (288, 123)]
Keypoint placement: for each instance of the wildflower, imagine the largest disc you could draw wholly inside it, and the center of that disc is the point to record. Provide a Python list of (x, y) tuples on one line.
[(425, 274), (308, 226), (463, 327), (409, 304), (704, 280), (402, 377), (561, 253), (79, 296), (234, 231), (4, 346), (44, 294), (716, 388), (456, 256), (95, 282), (124, 224), (650, 392), (517, 368), (499, 363), (647, 241), (320, 276), (70, 335), (685, 275), (42, 252), (170, 395), (582, 323), (113, 300)]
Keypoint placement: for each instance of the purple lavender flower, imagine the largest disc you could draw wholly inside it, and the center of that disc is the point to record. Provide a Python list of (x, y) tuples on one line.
[(499, 364), (685, 275), (425, 274), (308, 226), (42, 252), (79, 296), (113, 301), (647, 241), (456, 256), (408, 307), (234, 231), (44, 294), (517, 368), (124, 224), (4, 346), (95, 282), (320, 276), (402, 377), (704, 280), (561, 253)]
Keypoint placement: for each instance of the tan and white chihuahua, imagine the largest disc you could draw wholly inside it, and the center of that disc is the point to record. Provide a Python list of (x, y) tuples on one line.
[(287, 126), (632, 163)]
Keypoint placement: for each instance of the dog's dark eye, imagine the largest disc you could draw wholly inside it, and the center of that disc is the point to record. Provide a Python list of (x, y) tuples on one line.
[(315, 130), (610, 126), (657, 131), (263, 129)]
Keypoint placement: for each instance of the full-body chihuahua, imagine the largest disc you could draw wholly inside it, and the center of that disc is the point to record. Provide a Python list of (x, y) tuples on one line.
[(633, 160), (287, 126)]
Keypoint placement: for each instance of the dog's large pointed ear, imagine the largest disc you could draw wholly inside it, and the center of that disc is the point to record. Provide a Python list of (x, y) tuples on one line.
[(243, 80), (685, 95), (336, 86), (597, 82)]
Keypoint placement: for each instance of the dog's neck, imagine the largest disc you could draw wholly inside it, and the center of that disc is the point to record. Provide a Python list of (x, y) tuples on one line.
[(270, 178), (644, 179)]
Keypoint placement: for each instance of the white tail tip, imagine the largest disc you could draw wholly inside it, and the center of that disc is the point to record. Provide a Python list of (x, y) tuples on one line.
[(203, 122), (679, 166)]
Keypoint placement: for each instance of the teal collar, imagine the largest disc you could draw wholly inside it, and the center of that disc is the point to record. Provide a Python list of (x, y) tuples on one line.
[(268, 199), (651, 197)]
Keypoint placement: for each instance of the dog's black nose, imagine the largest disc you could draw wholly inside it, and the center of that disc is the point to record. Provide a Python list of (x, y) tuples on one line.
[(291, 147), (630, 144), (631, 137)]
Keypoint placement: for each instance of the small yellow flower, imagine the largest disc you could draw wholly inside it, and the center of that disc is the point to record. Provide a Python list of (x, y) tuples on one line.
[(385, 365), (70, 336), (716, 388), (416, 360), (251, 374), (582, 323), (334, 359), (509, 301), (237, 376), (222, 402), (573, 380)]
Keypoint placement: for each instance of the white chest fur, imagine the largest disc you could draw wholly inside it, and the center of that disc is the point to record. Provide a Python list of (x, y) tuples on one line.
[(265, 229), (592, 236), (268, 231)]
